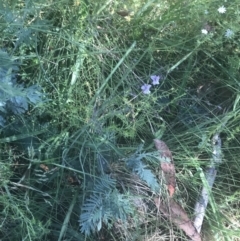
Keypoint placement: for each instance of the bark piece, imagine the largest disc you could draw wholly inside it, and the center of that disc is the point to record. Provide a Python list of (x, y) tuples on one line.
[(176, 214), (167, 165)]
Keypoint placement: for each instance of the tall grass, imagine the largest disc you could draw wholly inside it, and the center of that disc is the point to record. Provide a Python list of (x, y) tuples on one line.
[(91, 62)]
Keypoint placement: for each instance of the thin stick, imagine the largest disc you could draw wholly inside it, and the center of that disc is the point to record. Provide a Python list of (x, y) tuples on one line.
[(31, 188), (208, 180)]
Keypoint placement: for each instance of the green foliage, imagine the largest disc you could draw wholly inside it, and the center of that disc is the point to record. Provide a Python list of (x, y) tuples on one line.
[(135, 165), (5, 173), (14, 98), (104, 205), (90, 62)]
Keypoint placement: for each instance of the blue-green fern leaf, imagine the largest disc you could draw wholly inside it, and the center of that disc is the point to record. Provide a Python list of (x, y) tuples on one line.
[(105, 205), (120, 206), (34, 94), (135, 164), (13, 97), (18, 105), (2, 121)]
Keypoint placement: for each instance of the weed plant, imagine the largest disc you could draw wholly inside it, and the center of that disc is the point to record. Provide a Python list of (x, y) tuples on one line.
[(79, 163)]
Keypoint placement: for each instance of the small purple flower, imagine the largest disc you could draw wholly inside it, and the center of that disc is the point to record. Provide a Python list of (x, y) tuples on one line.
[(155, 79), (146, 89)]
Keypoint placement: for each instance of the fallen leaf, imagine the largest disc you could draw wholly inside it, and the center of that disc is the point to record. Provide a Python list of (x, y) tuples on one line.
[(167, 165), (44, 167), (123, 13), (176, 214), (163, 148)]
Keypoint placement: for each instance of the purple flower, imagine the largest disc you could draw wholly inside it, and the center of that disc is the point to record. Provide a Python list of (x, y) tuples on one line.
[(155, 79), (146, 89)]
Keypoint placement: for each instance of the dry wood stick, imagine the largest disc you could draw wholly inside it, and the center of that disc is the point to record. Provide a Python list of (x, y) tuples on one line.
[(208, 180)]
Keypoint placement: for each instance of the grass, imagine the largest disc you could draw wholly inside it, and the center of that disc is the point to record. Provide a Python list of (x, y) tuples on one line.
[(91, 62)]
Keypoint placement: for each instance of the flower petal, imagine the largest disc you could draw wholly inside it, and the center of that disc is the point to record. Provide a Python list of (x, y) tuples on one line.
[(155, 79), (229, 33), (222, 9), (146, 89)]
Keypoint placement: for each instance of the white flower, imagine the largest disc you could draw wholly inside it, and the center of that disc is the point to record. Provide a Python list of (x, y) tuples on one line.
[(222, 9), (229, 33), (204, 31), (206, 11)]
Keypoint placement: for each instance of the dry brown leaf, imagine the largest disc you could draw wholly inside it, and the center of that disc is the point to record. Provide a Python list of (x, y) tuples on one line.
[(123, 13), (176, 214), (167, 167), (173, 211), (163, 148)]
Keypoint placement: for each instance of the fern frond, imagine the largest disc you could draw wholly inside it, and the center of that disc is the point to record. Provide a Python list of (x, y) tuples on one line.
[(13, 97), (135, 165), (91, 216), (105, 205), (120, 206)]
